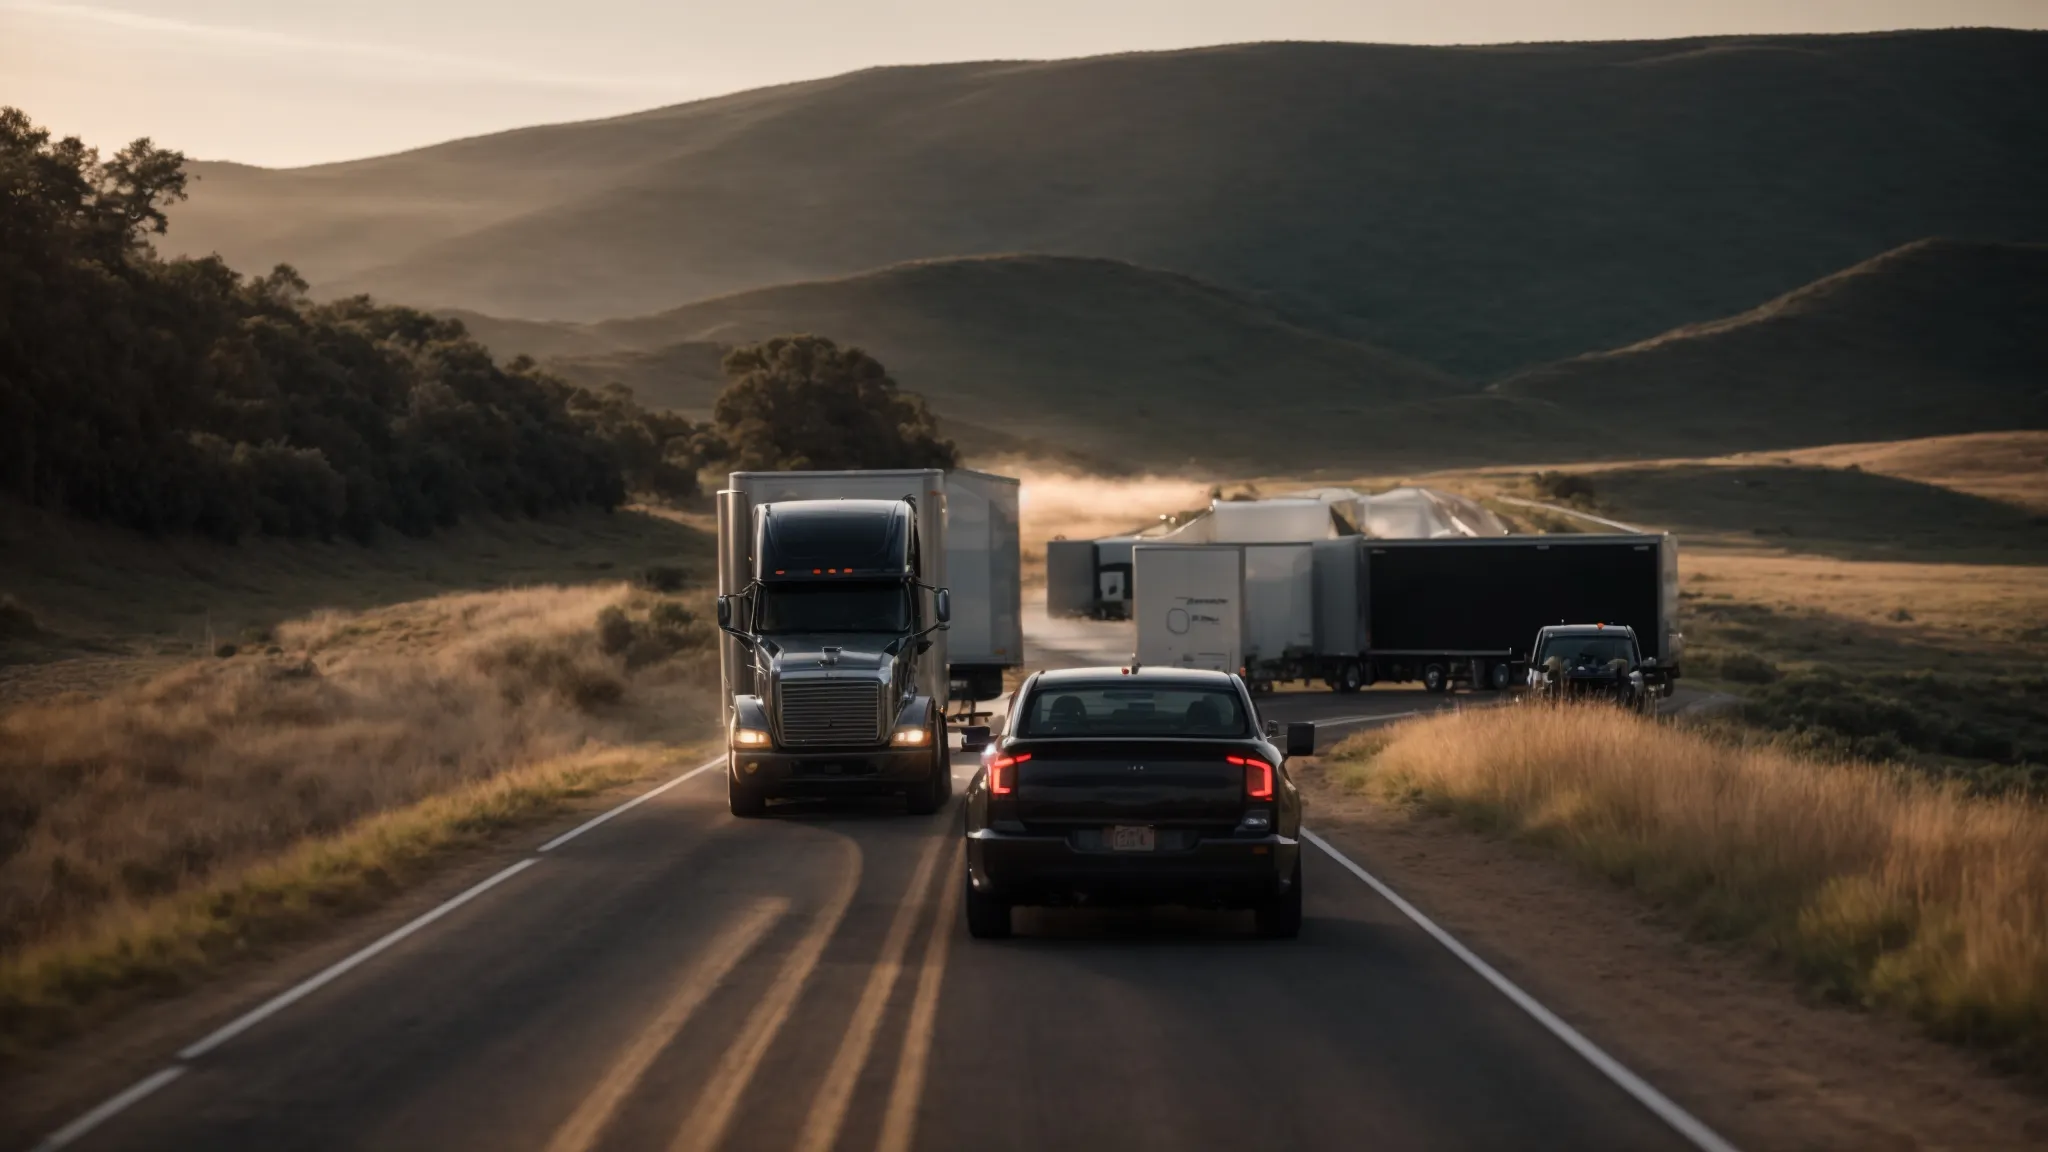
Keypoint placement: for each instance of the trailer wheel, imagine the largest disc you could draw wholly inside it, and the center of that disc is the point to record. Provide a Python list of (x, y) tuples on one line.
[(1434, 678), (1499, 677), (1350, 678)]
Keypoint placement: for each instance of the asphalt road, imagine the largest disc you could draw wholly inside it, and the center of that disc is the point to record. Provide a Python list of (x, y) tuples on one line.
[(678, 979)]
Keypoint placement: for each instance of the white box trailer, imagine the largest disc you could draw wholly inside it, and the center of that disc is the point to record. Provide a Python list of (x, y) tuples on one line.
[(1192, 614), (1070, 578), (1279, 598), (983, 568)]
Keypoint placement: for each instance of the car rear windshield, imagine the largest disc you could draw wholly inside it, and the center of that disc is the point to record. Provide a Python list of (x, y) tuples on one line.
[(1120, 708)]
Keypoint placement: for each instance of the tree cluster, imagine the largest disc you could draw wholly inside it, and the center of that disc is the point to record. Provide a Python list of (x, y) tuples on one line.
[(803, 402), (179, 396)]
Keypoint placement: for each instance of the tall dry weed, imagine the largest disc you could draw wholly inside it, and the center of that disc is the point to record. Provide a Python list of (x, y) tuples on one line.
[(110, 804), (1878, 887)]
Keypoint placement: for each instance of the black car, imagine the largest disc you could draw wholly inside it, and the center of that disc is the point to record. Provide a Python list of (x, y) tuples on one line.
[(1591, 662), (1135, 786)]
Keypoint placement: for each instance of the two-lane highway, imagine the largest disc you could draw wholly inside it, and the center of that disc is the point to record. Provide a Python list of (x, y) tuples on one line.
[(677, 979)]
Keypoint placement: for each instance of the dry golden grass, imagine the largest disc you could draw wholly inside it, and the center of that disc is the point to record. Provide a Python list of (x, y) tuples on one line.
[(169, 823), (1877, 887)]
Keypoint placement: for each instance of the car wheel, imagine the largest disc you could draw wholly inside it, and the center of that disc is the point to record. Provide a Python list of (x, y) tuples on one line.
[(987, 917), (1434, 678), (746, 802), (1279, 918)]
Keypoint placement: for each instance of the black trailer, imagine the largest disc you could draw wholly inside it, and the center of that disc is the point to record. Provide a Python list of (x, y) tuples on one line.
[(1466, 609)]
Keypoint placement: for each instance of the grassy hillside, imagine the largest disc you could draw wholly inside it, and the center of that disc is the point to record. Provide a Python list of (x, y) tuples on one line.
[(1481, 209), (1935, 337), (1095, 356)]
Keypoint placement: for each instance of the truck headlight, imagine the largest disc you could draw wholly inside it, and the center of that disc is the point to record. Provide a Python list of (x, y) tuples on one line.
[(910, 737), (749, 738)]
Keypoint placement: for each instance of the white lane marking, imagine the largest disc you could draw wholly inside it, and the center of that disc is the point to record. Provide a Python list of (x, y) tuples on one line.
[(293, 995), (628, 806), (1368, 719), (1681, 1121), (1600, 520), (113, 1106), (100, 1115)]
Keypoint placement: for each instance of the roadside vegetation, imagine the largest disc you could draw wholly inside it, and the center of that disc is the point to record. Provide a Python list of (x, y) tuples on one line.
[(238, 801), (179, 396), (1876, 887)]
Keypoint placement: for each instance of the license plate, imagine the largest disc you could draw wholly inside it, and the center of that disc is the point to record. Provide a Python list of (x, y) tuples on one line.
[(1125, 839)]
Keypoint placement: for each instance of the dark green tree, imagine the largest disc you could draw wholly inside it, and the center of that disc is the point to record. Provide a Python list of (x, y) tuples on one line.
[(803, 402)]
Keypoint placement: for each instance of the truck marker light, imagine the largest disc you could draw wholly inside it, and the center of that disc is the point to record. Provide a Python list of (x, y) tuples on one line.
[(1001, 773), (817, 571)]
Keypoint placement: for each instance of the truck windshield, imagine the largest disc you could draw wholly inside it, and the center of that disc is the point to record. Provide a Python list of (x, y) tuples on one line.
[(1121, 709), (831, 607), (1579, 651)]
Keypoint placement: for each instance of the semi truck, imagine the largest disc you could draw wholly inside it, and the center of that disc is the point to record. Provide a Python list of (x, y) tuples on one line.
[(835, 612), (1460, 610)]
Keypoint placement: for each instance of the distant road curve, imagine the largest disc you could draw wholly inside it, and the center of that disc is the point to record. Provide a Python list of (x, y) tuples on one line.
[(1603, 521)]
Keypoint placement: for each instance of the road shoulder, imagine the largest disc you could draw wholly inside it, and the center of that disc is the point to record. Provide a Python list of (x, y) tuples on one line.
[(1712, 1027)]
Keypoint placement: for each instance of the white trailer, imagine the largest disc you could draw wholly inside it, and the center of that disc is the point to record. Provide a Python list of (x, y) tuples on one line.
[(983, 570), (1279, 596), (1192, 614)]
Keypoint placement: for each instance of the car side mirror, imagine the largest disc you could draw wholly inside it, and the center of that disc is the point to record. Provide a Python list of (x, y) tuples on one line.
[(1272, 729), (942, 605), (974, 737), (725, 611), (1301, 739)]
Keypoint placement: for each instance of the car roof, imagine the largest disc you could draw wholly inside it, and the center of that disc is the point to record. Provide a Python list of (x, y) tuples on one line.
[(1142, 675)]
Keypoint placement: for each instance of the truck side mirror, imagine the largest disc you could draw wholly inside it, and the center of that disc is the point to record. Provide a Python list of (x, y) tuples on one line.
[(1649, 661), (923, 646), (725, 611), (974, 737), (942, 605), (1301, 739)]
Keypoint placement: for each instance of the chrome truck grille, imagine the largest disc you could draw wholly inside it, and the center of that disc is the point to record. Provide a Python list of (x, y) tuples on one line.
[(818, 713)]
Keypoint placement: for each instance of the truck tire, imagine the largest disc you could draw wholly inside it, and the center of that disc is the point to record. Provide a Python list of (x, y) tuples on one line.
[(746, 802), (1350, 678), (987, 917), (1279, 918), (931, 795), (1435, 679), (1498, 677)]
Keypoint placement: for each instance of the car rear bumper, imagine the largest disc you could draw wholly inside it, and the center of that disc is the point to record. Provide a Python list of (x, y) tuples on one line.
[(1217, 871), (843, 773)]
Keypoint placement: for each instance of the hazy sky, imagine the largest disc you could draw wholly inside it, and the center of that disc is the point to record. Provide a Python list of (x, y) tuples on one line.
[(285, 82)]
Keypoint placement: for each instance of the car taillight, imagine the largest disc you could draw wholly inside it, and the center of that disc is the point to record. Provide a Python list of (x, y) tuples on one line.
[(1002, 773), (1258, 777)]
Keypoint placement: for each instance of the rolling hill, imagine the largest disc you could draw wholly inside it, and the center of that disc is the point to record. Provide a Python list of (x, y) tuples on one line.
[(1933, 338), (1115, 365), (1113, 361), (1483, 210)]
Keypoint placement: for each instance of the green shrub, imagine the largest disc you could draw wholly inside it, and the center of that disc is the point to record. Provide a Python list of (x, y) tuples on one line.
[(1747, 668)]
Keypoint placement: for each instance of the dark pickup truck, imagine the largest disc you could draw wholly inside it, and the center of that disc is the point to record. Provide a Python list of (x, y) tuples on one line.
[(1594, 662)]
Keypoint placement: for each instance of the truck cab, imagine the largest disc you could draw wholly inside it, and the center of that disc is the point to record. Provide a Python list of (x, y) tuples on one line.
[(1591, 662), (830, 687)]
